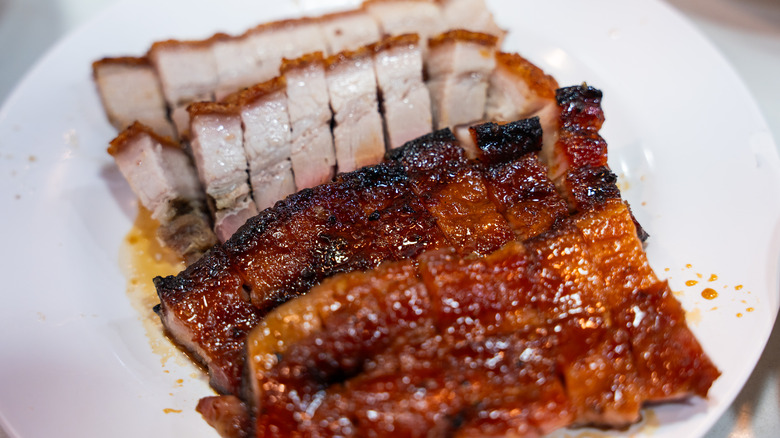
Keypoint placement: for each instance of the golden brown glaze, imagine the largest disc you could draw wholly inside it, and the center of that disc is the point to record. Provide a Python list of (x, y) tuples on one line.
[(518, 343), (129, 134), (462, 35), (205, 309)]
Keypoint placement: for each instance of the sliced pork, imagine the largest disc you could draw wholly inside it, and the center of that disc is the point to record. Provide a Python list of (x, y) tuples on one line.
[(459, 66), (406, 104), (267, 139), (130, 91), (236, 64), (349, 30), (358, 135), (471, 15), (164, 178), (398, 17), (312, 154), (217, 146)]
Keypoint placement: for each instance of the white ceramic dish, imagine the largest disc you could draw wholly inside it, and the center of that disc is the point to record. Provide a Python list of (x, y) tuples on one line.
[(694, 155)]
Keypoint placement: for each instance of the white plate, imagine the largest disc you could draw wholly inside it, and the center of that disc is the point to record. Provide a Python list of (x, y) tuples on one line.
[(694, 155)]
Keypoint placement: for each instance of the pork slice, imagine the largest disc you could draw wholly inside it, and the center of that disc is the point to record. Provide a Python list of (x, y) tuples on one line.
[(217, 146), (187, 70), (454, 191), (312, 154), (518, 89), (236, 65), (205, 310), (471, 15), (459, 66), (285, 39), (398, 17), (267, 139), (406, 104), (165, 181), (358, 136), (227, 414), (130, 91), (349, 30)]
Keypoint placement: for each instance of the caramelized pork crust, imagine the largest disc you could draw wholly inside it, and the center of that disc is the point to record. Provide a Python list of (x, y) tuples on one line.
[(529, 339)]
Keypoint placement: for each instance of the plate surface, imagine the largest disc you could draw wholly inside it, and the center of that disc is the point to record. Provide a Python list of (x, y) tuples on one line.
[(694, 156)]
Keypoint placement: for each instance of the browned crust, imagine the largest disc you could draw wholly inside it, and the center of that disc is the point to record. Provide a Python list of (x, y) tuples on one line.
[(250, 95), (132, 132), (335, 61), (211, 108), (302, 62), (465, 36), (408, 39), (540, 83), (122, 60)]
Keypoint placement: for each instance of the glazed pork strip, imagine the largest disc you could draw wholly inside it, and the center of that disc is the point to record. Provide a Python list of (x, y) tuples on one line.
[(358, 136), (217, 143), (267, 140), (165, 181), (459, 64), (361, 219), (312, 153), (406, 103), (130, 91), (349, 30), (518, 343)]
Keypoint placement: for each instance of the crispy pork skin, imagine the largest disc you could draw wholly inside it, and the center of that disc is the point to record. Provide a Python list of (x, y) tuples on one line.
[(217, 146), (349, 30), (518, 343), (312, 154), (406, 104), (459, 64), (164, 178), (358, 135), (267, 139), (130, 91)]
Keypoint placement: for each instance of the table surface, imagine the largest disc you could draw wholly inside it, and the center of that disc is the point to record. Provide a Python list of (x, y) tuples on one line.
[(747, 32)]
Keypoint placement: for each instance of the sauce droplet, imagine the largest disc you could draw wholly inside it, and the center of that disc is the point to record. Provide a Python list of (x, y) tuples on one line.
[(172, 411), (713, 277), (691, 283), (709, 293), (750, 309), (738, 287), (739, 315)]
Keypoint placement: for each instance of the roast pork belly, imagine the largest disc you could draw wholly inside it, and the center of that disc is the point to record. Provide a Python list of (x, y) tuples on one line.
[(459, 65), (521, 342), (472, 15), (398, 17), (349, 30), (312, 154), (406, 104), (284, 39), (236, 63), (391, 211), (130, 91), (517, 89), (358, 135), (266, 126), (165, 181), (217, 146)]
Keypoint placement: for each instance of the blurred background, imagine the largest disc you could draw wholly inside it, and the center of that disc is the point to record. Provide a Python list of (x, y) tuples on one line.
[(747, 32)]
